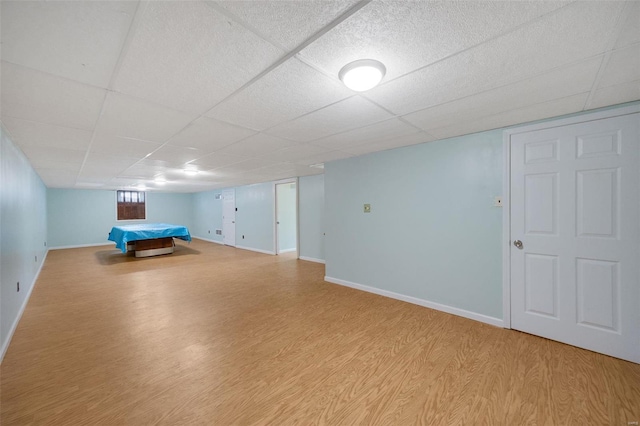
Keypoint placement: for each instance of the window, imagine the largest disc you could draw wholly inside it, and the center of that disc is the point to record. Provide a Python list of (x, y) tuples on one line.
[(131, 205)]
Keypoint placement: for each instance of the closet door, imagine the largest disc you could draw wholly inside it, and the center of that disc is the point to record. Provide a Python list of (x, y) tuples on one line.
[(575, 235)]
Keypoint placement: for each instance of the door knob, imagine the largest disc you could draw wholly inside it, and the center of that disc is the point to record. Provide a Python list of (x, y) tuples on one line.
[(518, 244)]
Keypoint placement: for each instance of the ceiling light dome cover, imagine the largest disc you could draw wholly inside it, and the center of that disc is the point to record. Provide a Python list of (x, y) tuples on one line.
[(363, 74)]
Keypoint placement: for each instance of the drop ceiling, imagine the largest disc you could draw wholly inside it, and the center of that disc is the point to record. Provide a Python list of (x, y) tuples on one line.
[(124, 94)]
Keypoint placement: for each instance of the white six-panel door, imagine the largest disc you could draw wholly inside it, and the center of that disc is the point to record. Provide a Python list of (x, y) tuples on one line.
[(575, 208)]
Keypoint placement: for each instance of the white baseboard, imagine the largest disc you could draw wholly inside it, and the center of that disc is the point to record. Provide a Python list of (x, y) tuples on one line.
[(427, 304), (111, 243), (255, 249), (312, 259), (208, 240), (7, 341), (288, 250)]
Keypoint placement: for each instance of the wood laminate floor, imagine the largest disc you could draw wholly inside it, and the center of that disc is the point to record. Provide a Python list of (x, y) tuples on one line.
[(221, 336)]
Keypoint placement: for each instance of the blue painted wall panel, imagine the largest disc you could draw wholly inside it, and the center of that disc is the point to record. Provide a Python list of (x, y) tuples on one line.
[(85, 216), (433, 232), (23, 232), (207, 215), (312, 216), (255, 216)]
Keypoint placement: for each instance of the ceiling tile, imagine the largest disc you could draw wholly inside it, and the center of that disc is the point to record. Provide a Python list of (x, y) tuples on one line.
[(612, 95), (139, 170), (288, 23), (408, 35), (287, 92), (53, 167), (42, 157), (32, 133), (121, 183), (216, 160), (256, 145), (323, 158), (412, 139), (516, 116), (630, 33), (129, 117), (159, 164), (244, 166), (126, 147), (58, 181), (309, 172), (33, 95), (187, 56), (294, 153), (176, 155), (77, 40), (108, 163), (367, 135), (575, 32), (172, 176), (559, 83), (205, 177), (623, 66), (95, 179), (344, 115), (209, 135), (278, 167), (46, 174), (90, 185)]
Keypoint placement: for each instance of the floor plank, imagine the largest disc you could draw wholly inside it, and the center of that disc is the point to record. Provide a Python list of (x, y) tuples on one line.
[(217, 335)]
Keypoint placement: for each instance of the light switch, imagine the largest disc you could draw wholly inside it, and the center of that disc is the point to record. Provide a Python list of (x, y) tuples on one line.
[(367, 208)]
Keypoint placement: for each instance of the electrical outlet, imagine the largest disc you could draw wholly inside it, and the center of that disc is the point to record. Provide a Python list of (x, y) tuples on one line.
[(209, 231), (497, 201), (243, 237), (367, 208)]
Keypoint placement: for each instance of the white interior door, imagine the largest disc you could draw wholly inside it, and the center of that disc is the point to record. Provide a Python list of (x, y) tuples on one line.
[(286, 221), (229, 217), (575, 209)]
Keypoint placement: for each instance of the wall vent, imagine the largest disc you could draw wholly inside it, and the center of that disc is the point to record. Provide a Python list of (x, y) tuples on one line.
[(218, 231)]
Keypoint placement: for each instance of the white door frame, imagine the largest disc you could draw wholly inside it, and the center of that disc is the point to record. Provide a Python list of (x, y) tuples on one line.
[(506, 189), (275, 214)]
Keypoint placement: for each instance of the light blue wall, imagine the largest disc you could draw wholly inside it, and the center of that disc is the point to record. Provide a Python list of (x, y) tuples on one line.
[(287, 223), (23, 233), (255, 217), (433, 232), (85, 216), (206, 215), (311, 211)]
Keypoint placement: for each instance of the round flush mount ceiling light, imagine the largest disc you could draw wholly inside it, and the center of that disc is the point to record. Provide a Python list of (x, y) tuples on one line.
[(362, 75)]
